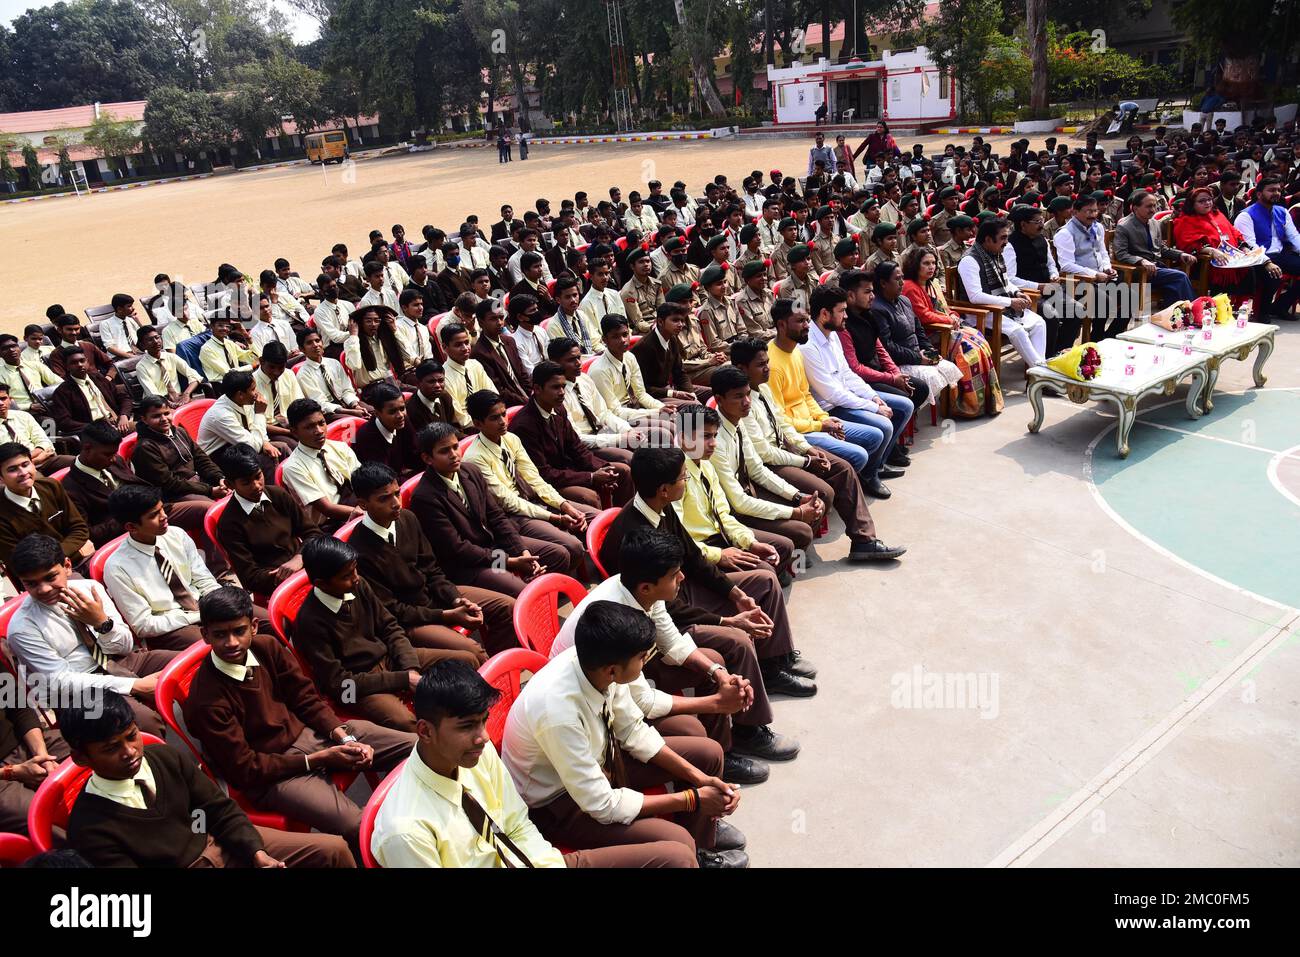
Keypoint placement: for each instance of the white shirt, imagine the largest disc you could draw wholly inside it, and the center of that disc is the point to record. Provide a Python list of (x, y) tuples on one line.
[(531, 345), (609, 426), (162, 376), (646, 223), (280, 394), (475, 257), (1246, 226), (463, 381), (414, 338), (177, 331), (383, 296), (137, 587), (555, 739), (516, 271), (360, 374), (44, 640), (1063, 241), (833, 383), (317, 379), (596, 305), (754, 204), (726, 464), (621, 386), (331, 319), (26, 430), (305, 474), (969, 271), (128, 792), (219, 356), (118, 332), (225, 423)]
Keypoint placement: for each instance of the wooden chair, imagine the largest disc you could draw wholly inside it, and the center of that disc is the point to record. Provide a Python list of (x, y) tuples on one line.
[(988, 319)]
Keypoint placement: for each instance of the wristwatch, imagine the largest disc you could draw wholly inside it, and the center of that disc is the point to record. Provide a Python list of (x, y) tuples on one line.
[(716, 666), (105, 626), (348, 739)]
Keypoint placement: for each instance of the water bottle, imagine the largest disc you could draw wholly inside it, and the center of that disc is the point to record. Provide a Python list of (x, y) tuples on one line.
[(1243, 316), (1130, 360), (1207, 328), (1158, 357), (1188, 338)]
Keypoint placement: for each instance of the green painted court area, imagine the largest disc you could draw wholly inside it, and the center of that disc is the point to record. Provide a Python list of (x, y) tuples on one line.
[(1213, 492)]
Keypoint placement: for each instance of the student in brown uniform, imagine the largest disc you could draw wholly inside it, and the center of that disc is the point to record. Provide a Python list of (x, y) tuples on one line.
[(394, 556), (360, 657), (27, 755), (86, 397), (431, 401), (32, 503), (167, 457), (472, 537), (388, 437), (139, 807), (662, 361), (499, 356), (266, 730), (262, 528), (98, 470)]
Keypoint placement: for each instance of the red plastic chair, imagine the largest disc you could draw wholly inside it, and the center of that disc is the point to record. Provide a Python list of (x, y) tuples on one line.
[(371, 811), (632, 341), (821, 280), (537, 609), (7, 611), (210, 519), (189, 416), (54, 799), (435, 322), (100, 558), (341, 430), (285, 602), (60, 475), (776, 288), (597, 529), (170, 693), (14, 849), (345, 530), (408, 489), (127, 448), (503, 672), (463, 446), (586, 363), (712, 403), (512, 412)]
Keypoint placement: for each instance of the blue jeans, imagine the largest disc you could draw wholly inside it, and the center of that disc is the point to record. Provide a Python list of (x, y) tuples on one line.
[(1174, 282), (855, 454), (888, 429)]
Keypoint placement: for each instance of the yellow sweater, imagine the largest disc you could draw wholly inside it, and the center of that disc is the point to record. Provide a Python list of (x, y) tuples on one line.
[(789, 384)]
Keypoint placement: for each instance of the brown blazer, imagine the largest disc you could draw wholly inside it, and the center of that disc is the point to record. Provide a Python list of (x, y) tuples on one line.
[(418, 414), (91, 497), (405, 578), (176, 464), (546, 306), (554, 447), (661, 370), (400, 455), (100, 361), (70, 409), (463, 536), (59, 518), (258, 545), (495, 367)]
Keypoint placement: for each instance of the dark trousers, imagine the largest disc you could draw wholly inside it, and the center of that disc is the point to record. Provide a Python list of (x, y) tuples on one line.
[(295, 849), (140, 664), (920, 391), (1271, 303), (390, 710), (838, 489), (563, 822), (16, 797), (1173, 283), (674, 679)]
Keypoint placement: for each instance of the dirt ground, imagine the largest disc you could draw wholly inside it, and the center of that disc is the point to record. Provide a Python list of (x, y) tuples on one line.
[(93, 247)]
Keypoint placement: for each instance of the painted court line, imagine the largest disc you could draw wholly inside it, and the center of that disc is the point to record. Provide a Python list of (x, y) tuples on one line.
[(1132, 759), (1211, 438)]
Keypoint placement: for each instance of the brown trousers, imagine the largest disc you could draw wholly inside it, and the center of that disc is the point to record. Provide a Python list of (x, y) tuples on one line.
[(563, 822), (448, 643), (761, 585), (312, 798), (390, 710), (140, 664), (654, 854), (674, 679), (56, 462), (293, 848), (798, 534), (16, 797), (839, 489), (498, 632), (575, 550)]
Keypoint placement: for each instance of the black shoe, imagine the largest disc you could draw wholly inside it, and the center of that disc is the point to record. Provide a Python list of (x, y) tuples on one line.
[(784, 681), (796, 662), (890, 471), (762, 742), (899, 457), (738, 769), (784, 578), (874, 551), (717, 860), (876, 488), (727, 837)]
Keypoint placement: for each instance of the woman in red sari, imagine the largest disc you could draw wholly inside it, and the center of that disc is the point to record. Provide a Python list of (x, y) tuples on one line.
[(1200, 229), (979, 391)]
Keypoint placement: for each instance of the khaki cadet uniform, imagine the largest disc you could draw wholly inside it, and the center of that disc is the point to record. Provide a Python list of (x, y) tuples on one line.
[(755, 311), (876, 258), (903, 240), (672, 277), (865, 246), (719, 318), (695, 351), (950, 253), (823, 254), (1050, 226), (780, 265), (800, 293), (939, 227), (747, 255), (640, 300)]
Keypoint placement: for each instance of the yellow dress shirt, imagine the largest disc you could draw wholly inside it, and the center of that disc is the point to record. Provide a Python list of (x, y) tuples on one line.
[(487, 456), (462, 382), (704, 511)]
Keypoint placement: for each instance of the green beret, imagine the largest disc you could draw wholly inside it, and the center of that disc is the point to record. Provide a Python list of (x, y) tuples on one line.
[(985, 214), (960, 221), (638, 252), (882, 230), (917, 224), (788, 223), (675, 244), (680, 292), (1060, 203), (753, 268), (1031, 197), (946, 192), (1107, 179), (869, 203), (1147, 180), (1100, 196), (1021, 213), (846, 247), (715, 273), (715, 242), (823, 212), (748, 232), (798, 254)]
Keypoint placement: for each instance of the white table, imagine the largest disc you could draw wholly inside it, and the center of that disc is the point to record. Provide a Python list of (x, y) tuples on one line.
[(1228, 342), (1157, 371)]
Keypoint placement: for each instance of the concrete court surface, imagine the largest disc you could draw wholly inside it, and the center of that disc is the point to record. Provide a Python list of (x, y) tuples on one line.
[(1144, 714), (79, 252)]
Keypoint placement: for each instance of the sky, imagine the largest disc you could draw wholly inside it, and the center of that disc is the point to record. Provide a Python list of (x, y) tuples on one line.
[(303, 28)]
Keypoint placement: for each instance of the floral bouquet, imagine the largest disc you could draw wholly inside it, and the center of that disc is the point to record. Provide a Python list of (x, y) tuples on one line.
[(1173, 317), (1210, 311), (1082, 363)]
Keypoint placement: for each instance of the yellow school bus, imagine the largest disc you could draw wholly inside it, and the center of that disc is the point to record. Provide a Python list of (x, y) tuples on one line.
[(329, 146)]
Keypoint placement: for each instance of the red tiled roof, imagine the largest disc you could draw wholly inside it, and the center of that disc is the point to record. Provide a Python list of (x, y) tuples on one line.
[(290, 127), (69, 117)]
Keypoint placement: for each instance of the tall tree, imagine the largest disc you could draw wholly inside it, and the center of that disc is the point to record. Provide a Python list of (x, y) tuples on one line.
[(1240, 33), (188, 122), (1036, 33), (113, 139)]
